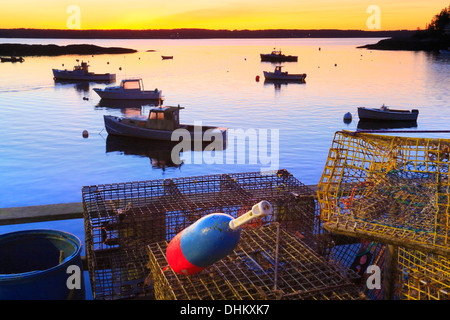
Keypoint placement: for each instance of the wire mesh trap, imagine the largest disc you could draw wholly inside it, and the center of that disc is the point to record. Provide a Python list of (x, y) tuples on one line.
[(268, 263), (122, 219), (357, 255), (423, 276), (389, 189)]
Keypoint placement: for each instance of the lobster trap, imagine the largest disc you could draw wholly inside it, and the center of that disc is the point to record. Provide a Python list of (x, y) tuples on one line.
[(423, 276), (268, 263), (122, 219), (358, 255), (388, 189)]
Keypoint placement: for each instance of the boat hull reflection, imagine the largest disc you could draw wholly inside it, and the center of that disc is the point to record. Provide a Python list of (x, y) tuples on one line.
[(377, 125), (120, 104), (159, 152)]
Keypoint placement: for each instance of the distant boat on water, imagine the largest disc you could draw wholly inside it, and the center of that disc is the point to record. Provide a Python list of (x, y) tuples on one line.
[(277, 74), (277, 56), (129, 89), (166, 57), (387, 114), (81, 72), (12, 59)]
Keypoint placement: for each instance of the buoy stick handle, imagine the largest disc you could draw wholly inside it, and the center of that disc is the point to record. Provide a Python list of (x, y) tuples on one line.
[(259, 210)]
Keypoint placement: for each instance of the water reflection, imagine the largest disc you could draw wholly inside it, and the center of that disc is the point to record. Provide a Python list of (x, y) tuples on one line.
[(128, 107), (79, 85), (278, 62), (377, 125), (159, 152), (119, 104), (279, 83), (438, 56)]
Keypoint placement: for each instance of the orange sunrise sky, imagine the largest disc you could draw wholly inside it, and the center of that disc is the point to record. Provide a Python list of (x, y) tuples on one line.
[(219, 14)]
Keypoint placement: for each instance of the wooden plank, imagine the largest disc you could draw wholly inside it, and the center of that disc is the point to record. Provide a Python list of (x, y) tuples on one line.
[(390, 272), (51, 212), (348, 230), (40, 213)]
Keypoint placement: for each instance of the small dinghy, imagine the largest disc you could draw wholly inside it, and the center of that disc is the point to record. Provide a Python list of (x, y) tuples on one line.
[(387, 114)]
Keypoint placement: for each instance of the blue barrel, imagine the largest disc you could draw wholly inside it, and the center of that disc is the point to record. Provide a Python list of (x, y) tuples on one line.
[(41, 265)]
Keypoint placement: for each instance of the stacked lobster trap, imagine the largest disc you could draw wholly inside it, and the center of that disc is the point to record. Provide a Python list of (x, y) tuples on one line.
[(128, 225), (392, 191), (268, 263), (423, 276)]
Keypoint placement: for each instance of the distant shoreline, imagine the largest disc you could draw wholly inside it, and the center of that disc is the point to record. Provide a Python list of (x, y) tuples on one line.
[(409, 44), (24, 50), (196, 33)]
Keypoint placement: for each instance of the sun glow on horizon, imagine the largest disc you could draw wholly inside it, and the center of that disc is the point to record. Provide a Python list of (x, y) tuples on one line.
[(220, 14)]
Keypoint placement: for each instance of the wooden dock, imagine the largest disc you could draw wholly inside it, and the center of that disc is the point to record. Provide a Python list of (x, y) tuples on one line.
[(41, 213)]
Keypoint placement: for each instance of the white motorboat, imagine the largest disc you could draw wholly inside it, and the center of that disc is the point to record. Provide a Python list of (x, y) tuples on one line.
[(280, 75), (129, 89)]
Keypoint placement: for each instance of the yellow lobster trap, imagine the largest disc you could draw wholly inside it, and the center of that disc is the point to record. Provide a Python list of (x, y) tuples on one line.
[(390, 189), (423, 276)]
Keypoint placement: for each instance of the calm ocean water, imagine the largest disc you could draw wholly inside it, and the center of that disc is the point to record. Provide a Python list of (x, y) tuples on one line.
[(45, 159)]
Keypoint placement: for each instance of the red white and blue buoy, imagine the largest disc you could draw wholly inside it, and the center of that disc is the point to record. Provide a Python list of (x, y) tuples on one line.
[(209, 239)]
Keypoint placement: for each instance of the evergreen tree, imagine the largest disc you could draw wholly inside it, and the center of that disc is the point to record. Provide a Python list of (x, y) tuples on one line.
[(440, 20)]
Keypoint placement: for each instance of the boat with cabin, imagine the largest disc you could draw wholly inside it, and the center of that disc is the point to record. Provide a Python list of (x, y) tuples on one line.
[(161, 122), (277, 56), (81, 72), (12, 59), (387, 114), (277, 74), (129, 89)]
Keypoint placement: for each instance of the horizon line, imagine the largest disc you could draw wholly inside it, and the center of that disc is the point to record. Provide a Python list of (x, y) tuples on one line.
[(207, 29)]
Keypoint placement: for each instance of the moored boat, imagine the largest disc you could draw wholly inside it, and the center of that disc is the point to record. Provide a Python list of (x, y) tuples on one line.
[(387, 114), (277, 56), (12, 59), (277, 74), (81, 72), (159, 125), (129, 89)]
